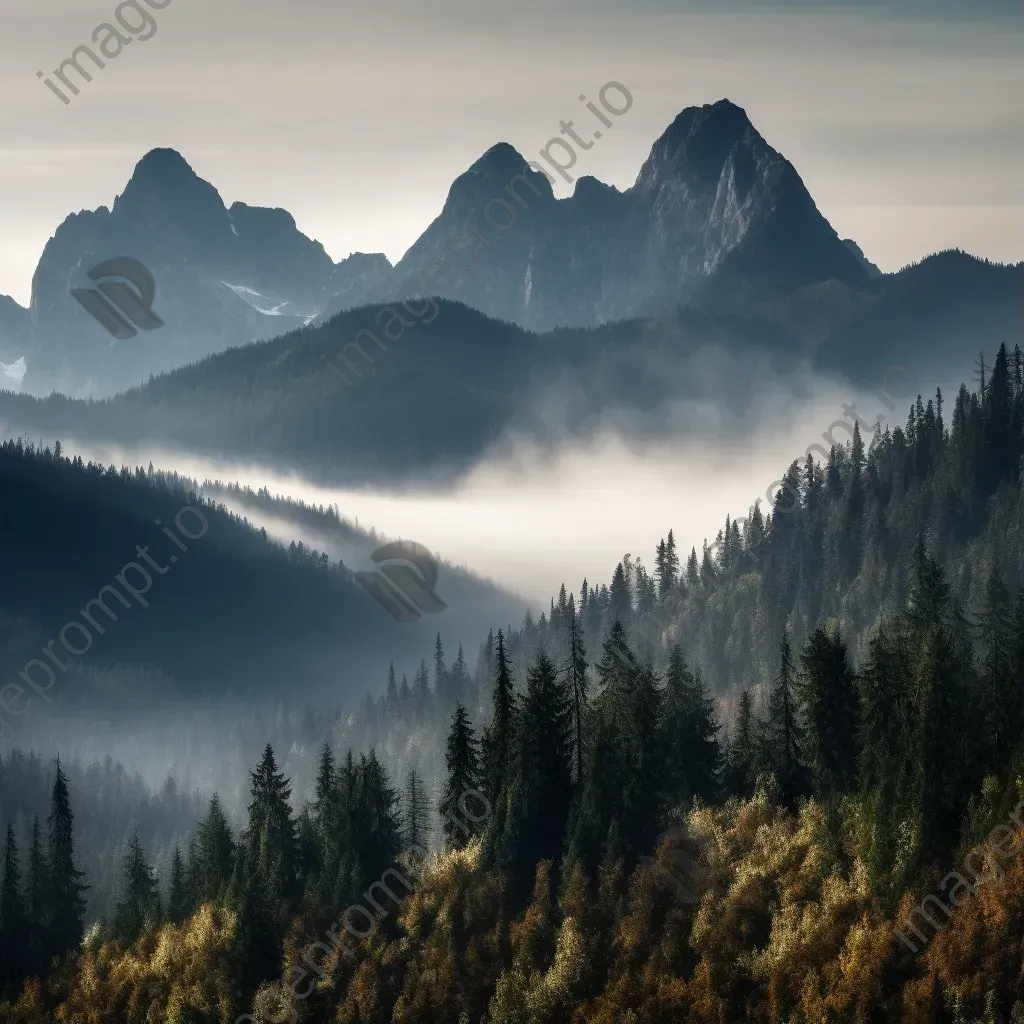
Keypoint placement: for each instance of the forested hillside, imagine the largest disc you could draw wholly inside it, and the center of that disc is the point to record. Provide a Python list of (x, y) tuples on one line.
[(422, 389), (207, 606), (811, 868)]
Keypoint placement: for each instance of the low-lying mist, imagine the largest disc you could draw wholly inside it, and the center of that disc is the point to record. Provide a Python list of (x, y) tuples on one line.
[(532, 516)]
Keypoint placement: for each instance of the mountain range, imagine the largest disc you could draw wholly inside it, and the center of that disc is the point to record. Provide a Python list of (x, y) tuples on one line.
[(717, 220)]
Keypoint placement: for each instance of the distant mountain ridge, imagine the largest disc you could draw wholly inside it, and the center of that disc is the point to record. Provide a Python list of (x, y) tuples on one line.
[(429, 405), (225, 277), (717, 219)]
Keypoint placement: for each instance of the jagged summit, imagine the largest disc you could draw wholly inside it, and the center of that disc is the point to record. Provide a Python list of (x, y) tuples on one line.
[(164, 182)]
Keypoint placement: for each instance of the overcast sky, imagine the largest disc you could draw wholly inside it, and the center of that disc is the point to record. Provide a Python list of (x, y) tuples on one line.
[(904, 120)]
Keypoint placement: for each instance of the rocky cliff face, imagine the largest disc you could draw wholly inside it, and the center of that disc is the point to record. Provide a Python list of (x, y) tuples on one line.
[(15, 324), (716, 216), (223, 277)]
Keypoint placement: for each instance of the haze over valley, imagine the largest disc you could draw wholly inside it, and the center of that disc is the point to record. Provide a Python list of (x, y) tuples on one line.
[(606, 604)]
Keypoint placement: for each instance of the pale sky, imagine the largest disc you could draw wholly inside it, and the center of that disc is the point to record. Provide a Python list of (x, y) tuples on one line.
[(905, 124)]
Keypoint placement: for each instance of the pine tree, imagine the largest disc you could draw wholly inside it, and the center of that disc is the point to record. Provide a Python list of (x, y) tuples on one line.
[(270, 837), (65, 903), (416, 819), (440, 675), (631, 703), (215, 854), (783, 734), (692, 751), (497, 743), (37, 901), (139, 907), (577, 681), (671, 565), (325, 816), (458, 680), (1000, 699), (828, 699), (421, 692), (12, 914), (178, 903), (743, 758), (620, 594), (392, 694), (541, 786), (376, 827), (462, 762)]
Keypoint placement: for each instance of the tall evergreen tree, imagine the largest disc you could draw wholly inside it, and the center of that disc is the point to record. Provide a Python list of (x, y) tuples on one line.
[(497, 743), (577, 681), (783, 734), (139, 907), (459, 683), (462, 762), (270, 836), (541, 787), (828, 700), (743, 755), (66, 904), (692, 751), (440, 674), (1001, 696), (416, 818), (214, 854), (37, 901), (178, 903), (12, 914)]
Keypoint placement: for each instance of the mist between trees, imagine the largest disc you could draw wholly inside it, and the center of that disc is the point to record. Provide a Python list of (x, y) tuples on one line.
[(11, 692), (755, 529)]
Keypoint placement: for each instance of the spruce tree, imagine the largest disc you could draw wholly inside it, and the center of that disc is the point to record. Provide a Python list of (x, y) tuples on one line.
[(65, 903), (421, 692), (828, 699), (139, 906), (743, 759), (392, 694), (178, 903), (541, 785), (692, 751), (497, 743), (12, 914), (37, 901), (270, 836), (783, 734), (215, 854), (440, 675), (325, 810), (458, 680), (462, 762), (577, 681), (416, 817), (1000, 699), (631, 702)]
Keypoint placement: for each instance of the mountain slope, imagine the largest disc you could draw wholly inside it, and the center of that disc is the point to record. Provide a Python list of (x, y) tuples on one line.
[(231, 614), (224, 276), (716, 215)]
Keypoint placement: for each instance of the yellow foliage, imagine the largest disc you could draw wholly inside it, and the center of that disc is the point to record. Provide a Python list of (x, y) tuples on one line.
[(179, 975)]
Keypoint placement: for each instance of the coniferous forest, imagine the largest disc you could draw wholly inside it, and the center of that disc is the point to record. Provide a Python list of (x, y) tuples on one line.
[(762, 782)]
